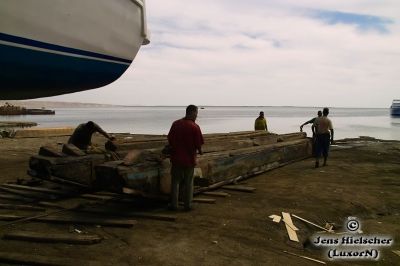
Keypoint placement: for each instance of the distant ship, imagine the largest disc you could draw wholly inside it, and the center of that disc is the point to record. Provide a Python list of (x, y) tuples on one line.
[(52, 47), (395, 108)]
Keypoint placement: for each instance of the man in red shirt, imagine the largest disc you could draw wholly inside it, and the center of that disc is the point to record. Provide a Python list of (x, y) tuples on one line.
[(185, 139)]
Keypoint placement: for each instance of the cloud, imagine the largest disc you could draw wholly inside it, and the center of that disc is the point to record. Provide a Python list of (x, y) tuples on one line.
[(263, 52)]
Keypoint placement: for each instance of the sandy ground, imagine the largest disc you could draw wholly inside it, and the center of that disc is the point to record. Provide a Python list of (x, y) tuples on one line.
[(361, 179)]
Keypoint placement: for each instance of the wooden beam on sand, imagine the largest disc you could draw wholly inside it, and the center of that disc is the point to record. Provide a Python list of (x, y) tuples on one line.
[(204, 200), (316, 225), (27, 194), (305, 257), (63, 181), (216, 193), (144, 215), (34, 259), (50, 204), (218, 185), (96, 197), (74, 220), (291, 229), (239, 188), (69, 238), (20, 207), (16, 198), (29, 200), (39, 189)]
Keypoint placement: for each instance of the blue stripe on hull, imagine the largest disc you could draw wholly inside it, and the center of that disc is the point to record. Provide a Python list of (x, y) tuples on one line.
[(29, 74), (58, 48)]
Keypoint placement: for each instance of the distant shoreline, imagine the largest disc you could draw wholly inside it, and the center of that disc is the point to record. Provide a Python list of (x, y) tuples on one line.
[(57, 104)]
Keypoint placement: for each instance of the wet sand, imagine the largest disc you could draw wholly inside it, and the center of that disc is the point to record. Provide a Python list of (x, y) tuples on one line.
[(362, 179)]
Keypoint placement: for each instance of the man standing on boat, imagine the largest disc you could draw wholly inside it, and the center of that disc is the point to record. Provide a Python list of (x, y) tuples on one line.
[(261, 123), (311, 121), (324, 136), (82, 136), (185, 139)]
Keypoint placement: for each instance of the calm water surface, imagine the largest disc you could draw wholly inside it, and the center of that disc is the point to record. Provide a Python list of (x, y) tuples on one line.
[(347, 122)]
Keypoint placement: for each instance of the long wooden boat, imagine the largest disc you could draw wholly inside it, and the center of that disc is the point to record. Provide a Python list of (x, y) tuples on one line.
[(225, 156)]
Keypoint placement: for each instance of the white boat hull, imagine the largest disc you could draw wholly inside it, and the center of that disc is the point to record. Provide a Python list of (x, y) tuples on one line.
[(51, 47)]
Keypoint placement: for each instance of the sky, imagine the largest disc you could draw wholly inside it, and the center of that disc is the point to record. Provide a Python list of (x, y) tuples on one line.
[(262, 53)]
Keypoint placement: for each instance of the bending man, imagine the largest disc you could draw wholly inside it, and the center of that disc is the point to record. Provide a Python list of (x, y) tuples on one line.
[(82, 136)]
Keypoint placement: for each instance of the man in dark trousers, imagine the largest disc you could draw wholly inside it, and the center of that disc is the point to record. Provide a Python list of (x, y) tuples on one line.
[(324, 136), (185, 139), (82, 136)]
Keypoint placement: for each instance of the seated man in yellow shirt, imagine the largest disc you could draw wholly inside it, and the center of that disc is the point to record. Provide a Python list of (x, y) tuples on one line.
[(260, 123)]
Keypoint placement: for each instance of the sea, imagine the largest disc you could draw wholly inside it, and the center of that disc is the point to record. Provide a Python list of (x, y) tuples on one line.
[(347, 122)]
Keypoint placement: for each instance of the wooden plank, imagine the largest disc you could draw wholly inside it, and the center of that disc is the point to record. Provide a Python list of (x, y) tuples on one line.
[(150, 216), (30, 218), (63, 181), (50, 204), (316, 225), (75, 219), (39, 189), (291, 229), (16, 198), (96, 197), (34, 259), (33, 195), (239, 188), (107, 193), (218, 185), (20, 207), (275, 218), (53, 237), (29, 200), (216, 193), (204, 200)]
